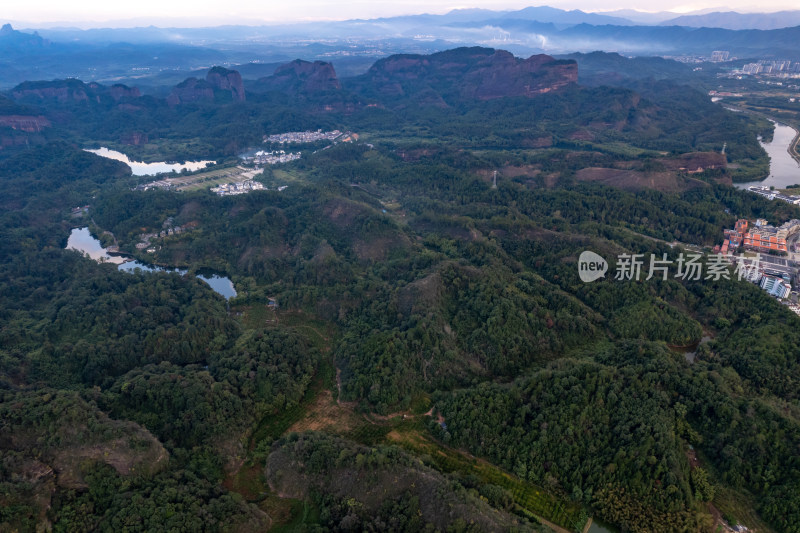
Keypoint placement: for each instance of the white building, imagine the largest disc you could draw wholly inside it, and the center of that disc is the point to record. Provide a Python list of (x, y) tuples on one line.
[(775, 286)]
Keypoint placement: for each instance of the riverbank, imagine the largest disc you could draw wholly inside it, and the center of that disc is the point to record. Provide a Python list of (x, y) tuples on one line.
[(784, 160), (793, 149), (794, 146)]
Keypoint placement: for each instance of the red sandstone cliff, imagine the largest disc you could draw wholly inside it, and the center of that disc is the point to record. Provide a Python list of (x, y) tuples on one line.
[(302, 77), (28, 124), (466, 73), (218, 79), (227, 80)]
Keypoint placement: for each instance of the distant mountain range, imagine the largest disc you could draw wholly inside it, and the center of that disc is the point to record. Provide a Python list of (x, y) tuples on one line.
[(461, 74), (160, 57), (732, 20), (538, 13), (167, 29), (13, 41), (30, 111)]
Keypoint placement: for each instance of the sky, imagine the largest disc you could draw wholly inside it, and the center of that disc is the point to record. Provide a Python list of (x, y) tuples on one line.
[(87, 13)]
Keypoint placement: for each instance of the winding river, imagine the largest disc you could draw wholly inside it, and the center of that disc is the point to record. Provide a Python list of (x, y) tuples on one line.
[(783, 168), (81, 239)]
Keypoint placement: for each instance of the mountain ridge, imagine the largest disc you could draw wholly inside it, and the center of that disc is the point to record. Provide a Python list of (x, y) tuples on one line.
[(732, 20), (218, 80), (471, 73)]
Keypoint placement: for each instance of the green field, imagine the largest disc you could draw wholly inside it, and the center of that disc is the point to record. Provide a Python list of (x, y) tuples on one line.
[(206, 180), (285, 177)]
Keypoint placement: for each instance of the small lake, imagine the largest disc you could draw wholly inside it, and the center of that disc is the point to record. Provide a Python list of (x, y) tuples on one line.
[(783, 169), (690, 352), (81, 240), (150, 169)]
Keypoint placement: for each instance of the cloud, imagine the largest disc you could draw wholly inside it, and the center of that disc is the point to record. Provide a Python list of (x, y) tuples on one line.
[(256, 11)]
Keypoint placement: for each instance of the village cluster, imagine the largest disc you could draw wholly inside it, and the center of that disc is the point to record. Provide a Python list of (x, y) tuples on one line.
[(272, 158), (302, 136), (243, 187), (168, 229)]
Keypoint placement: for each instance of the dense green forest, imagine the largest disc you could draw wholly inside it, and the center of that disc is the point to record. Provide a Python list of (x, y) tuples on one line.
[(411, 348)]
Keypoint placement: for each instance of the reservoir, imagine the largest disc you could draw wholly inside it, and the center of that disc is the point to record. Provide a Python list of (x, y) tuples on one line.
[(81, 240), (783, 169), (690, 352), (150, 169)]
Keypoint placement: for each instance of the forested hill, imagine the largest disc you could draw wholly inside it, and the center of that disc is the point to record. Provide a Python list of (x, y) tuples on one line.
[(410, 347)]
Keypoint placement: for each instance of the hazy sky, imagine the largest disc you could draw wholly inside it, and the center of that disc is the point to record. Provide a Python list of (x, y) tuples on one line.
[(257, 11)]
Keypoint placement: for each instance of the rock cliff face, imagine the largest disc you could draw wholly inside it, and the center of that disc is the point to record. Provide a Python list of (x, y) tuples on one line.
[(302, 77), (19, 41), (30, 124), (227, 80), (70, 90), (218, 80), (136, 138), (119, 91), (466, 73), (504, 75), (191, 90)]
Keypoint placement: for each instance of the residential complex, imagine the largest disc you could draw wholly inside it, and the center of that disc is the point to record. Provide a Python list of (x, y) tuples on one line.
[(772, 67), (764, 237), (775, 286), (766, 68), (764, 240), (771, 273)]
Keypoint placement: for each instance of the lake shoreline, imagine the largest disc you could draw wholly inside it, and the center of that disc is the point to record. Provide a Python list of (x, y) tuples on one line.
[(81, 240), (141, 168)]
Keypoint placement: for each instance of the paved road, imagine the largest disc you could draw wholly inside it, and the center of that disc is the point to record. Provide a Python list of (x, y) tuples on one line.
[(782, 261)]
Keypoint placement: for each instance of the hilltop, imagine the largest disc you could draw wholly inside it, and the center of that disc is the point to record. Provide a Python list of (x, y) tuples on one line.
[(464, 74)]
